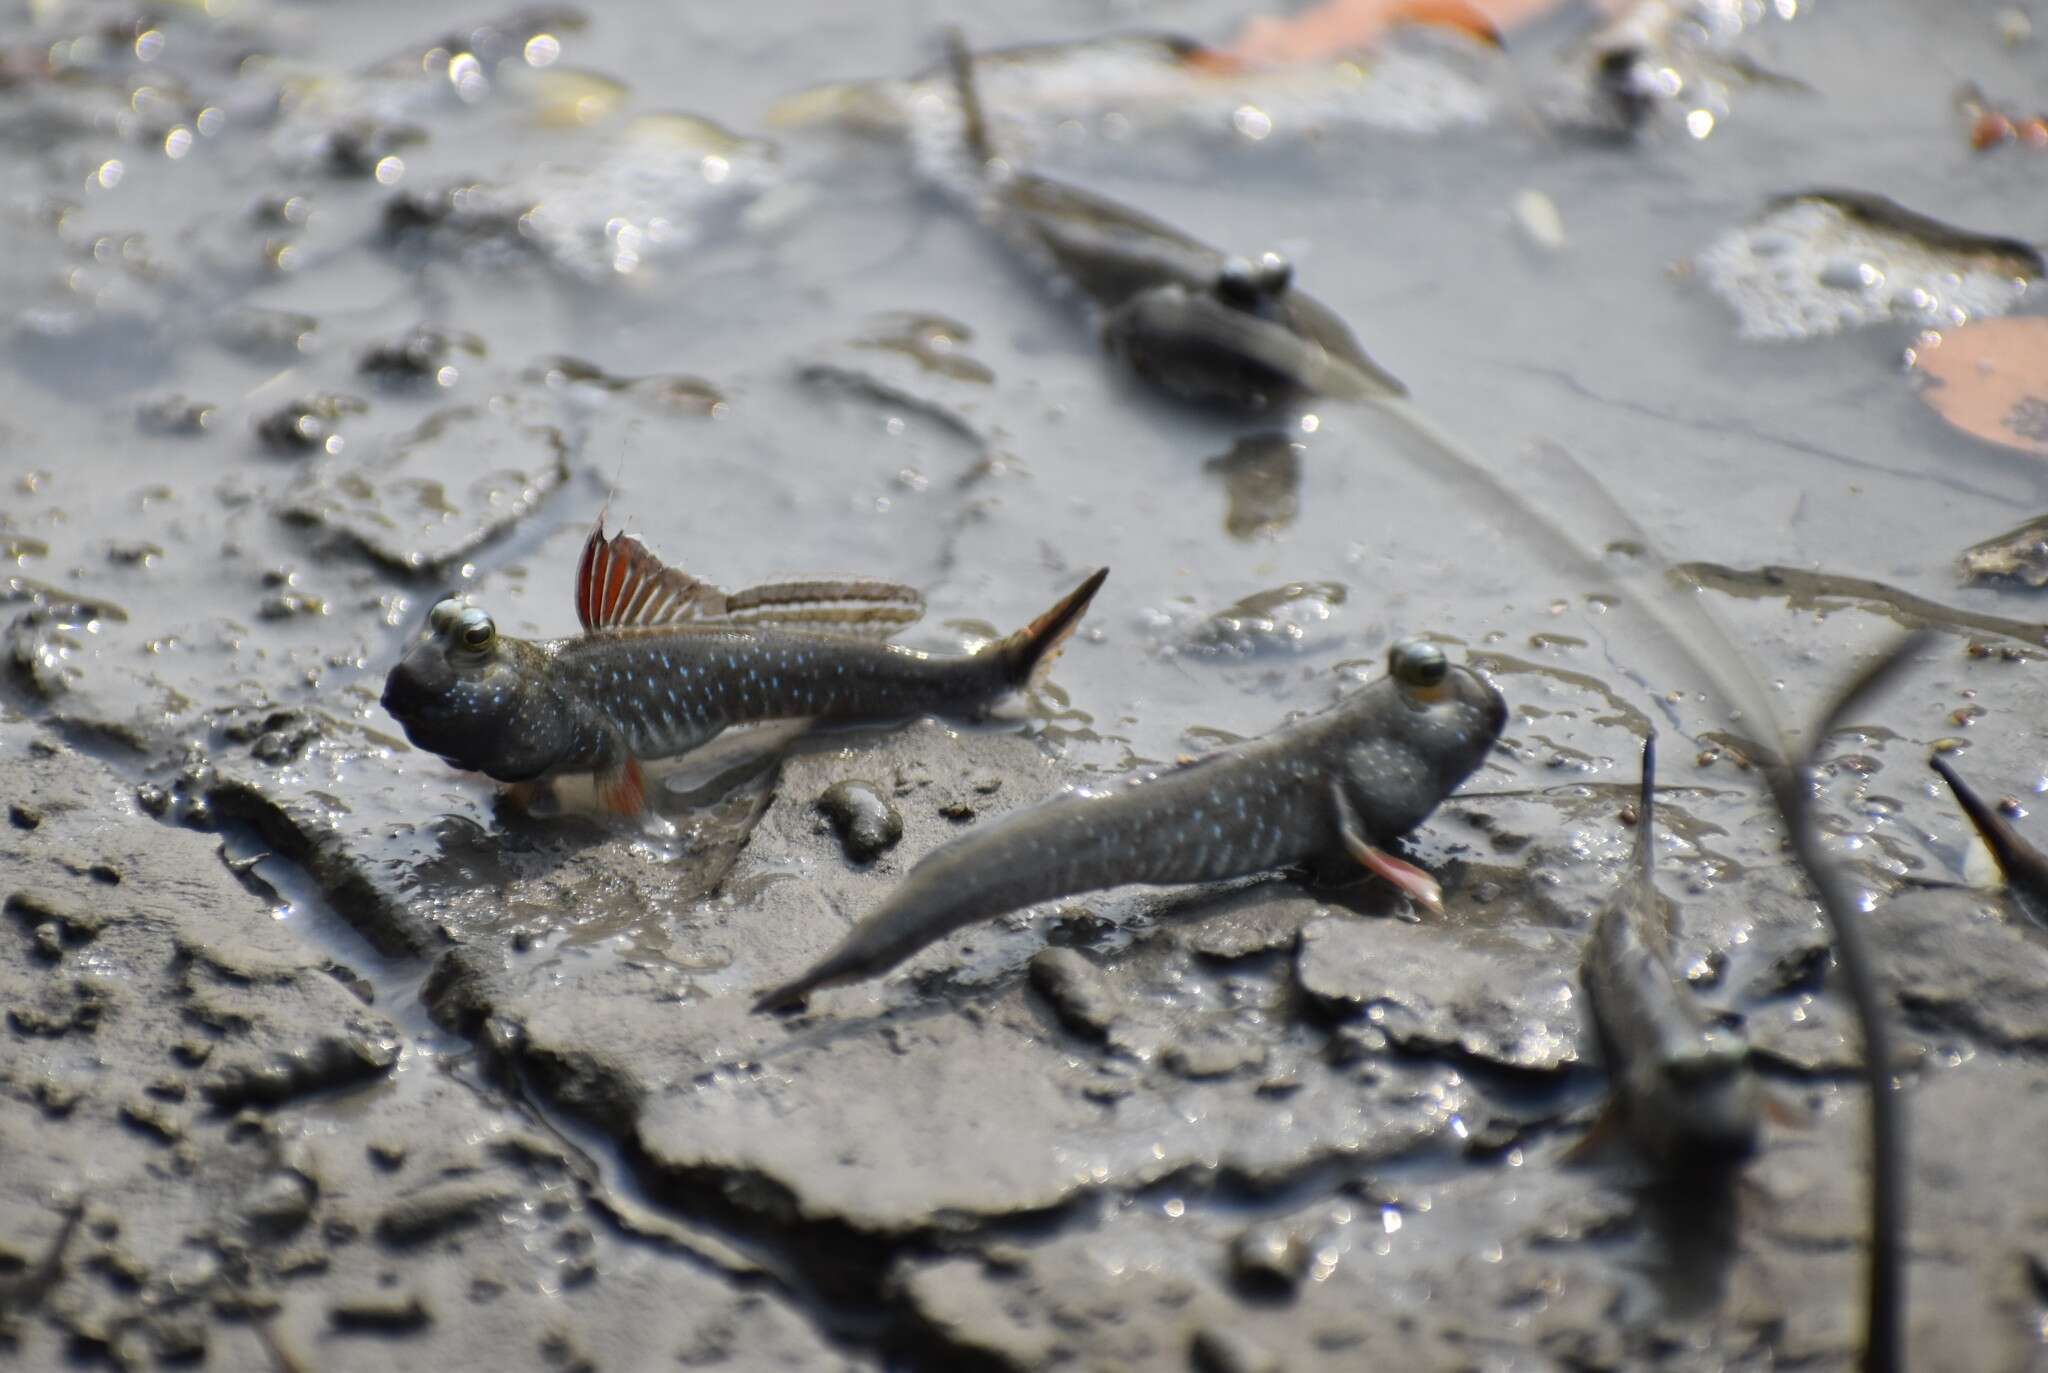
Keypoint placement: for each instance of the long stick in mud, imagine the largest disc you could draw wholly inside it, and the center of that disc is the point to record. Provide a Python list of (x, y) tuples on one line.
[(1884, 1341), (1686, 627)]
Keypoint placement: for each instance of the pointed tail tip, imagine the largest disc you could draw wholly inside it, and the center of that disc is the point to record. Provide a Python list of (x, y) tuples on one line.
[(2024, 866), (1649, 796), (1988, 823), (1972, 804), (1037, 644), (789, 996)]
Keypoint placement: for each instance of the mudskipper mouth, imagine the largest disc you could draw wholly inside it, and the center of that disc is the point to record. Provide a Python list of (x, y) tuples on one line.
[(408, 698)]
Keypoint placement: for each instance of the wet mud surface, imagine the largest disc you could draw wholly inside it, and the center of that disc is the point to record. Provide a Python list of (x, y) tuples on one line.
[(342, 1059)]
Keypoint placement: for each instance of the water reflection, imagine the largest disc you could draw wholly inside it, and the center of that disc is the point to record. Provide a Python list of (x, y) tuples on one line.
[(1262, 484)]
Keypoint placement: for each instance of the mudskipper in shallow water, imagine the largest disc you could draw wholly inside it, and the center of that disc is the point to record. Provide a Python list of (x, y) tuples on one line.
[(1202, 326), (666, 662), (1681, 1086), (1340, 783)]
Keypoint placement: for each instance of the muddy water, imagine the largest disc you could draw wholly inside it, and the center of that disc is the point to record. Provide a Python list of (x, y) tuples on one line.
[(225, 579)]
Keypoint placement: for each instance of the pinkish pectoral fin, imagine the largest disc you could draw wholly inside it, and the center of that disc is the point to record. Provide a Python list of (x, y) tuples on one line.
[(1604, 1135), (623, 790), (1779, 1111), (526, 795), (1403, 875)]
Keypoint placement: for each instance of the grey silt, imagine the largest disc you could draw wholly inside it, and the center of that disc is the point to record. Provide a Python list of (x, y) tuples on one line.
[(1374, 765)]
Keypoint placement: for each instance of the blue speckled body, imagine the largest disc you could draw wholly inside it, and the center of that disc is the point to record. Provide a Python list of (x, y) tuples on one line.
[(533, 710), (1391, 752), (664, 692), (666, 661)]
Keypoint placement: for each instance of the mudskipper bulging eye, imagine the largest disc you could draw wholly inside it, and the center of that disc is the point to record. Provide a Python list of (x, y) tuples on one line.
[(1418, 664), (1237, 281), (441, 618), (1272, 273), (477, 629)]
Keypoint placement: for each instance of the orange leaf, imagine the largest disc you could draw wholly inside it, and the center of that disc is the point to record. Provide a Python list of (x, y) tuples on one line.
[(1990, 380), (1341, 26)]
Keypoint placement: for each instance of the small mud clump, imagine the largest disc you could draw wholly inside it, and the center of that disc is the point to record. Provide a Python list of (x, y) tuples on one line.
[(868, 826), (421, 356), (309, 425)]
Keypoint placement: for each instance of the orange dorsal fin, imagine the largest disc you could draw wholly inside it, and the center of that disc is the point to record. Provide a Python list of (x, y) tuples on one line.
[(619, 583)]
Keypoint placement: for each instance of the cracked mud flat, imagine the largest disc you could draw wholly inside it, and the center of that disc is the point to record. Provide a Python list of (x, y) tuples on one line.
[(350, 1063)]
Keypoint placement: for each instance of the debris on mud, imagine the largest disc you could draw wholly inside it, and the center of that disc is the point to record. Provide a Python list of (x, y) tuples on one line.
[(311, 424), (2018, 556), (175, 414), (1289, 618), (42, 643), (428, 498), (657, 188), (663, 393), (419, 356), (1993, 125), (1819, 262), (1077, 990), (1130, 84)]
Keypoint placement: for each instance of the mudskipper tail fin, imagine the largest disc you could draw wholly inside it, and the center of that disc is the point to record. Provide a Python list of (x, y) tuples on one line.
[(1028, 654)]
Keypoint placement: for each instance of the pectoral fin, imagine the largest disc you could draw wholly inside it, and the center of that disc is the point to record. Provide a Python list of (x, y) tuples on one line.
[(1779, 1111), (1602, 1136), (1405, 876), (526, 795), (623, 790)]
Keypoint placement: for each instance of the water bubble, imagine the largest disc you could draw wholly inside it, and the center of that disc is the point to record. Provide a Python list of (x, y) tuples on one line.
[(466, 74), (542, 49), (1850, 274), (1251, 121)]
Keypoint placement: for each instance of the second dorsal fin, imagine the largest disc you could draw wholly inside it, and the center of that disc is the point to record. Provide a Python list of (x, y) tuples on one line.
[(859, 606), (621, 584)]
